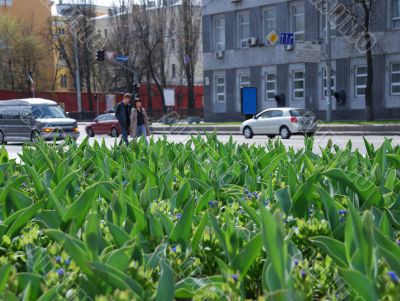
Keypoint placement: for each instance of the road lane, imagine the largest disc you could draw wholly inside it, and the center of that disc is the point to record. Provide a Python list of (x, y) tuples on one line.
[(296, 142)]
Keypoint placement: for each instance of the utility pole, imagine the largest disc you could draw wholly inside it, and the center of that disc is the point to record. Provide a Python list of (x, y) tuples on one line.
[(328, 64), (77, 76)]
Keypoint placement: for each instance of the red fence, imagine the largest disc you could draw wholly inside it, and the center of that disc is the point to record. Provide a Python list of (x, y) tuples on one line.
[(69, 100)]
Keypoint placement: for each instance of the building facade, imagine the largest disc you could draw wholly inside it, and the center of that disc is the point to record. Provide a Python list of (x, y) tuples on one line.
[(236, 54), (36, 14)]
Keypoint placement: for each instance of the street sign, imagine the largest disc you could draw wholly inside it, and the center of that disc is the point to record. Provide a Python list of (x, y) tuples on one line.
[(122, 58), (286, 38), (308, 52), (169, 96), (272, 38), (110, 55)]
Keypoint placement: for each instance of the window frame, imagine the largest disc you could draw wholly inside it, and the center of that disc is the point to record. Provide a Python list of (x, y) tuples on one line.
[(217, 94), (394, 19), (294, 80), (64, 81), (293, 15), (267, 91), (325, 82), (243, 42), (392, 84), (266, 21), (217, 43), (356, 76)]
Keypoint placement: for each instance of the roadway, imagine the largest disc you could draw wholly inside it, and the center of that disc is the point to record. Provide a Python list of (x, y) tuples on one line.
[(296, 142)]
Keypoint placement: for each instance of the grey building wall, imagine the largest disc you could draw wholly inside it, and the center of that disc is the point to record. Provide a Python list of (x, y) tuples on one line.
[(264, 57)]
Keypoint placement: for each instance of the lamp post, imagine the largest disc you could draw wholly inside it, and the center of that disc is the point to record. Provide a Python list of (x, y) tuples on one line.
[(328, 64)]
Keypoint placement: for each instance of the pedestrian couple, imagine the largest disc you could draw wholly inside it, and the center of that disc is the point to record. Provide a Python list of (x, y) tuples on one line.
[(132, 120)]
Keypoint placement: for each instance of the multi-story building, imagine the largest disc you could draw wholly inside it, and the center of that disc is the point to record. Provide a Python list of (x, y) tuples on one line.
[(36, 13), (237, 54)]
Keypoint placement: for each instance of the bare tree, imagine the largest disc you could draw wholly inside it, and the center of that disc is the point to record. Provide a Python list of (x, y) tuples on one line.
[(122, 40), (187, 32), (150, 26), (73, 35), (21, 50)]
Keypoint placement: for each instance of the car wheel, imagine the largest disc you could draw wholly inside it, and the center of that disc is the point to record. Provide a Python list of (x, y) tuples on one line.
[(284, 132), (90, 132), (2, 138), (114, 132), (248, 133), (35, 135), (271, 136)]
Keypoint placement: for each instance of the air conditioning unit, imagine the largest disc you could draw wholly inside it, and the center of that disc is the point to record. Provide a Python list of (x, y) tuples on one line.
[(219, 54), (289, 47), (252, 42)]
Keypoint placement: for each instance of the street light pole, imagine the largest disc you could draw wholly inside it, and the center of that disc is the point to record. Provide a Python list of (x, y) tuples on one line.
[(328, 64), (77, 77)]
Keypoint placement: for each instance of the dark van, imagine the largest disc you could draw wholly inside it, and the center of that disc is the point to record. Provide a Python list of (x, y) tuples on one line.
[(31, 118)]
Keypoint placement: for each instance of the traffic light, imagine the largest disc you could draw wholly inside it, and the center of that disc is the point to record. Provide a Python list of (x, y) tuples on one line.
[(100, 55)]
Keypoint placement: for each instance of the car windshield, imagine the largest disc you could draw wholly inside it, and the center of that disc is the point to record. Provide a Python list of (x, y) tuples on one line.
[(301, 113), (47, 112)]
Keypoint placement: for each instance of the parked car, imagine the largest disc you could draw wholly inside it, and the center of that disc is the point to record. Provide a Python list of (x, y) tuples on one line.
[(29, 119), (106, 124), (280, 121)]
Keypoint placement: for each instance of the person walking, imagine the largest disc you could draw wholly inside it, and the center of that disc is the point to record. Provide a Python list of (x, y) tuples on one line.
[(122, 113), (139, 121)]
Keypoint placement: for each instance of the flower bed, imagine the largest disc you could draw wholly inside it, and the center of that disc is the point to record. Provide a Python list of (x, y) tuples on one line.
[(202, 220)]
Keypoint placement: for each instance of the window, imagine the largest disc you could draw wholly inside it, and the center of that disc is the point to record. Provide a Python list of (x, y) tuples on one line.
[(276, 113), (266, 114), (173, 43), (396, 13), (332, 22), (395, 78), (270, 86), (298, 23), (219, 33), (298, 85), (269, 16), (62, 62), (105, 32), (325, 83), (173, 67), (244, 81), (61, 31), (6, 2), (244, 29), (64, 81), (361, 80), (220, 89)]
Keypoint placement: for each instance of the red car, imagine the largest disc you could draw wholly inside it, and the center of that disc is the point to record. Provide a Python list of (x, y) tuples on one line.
[(104, 124)]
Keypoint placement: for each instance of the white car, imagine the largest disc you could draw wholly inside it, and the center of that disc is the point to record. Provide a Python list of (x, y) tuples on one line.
[(280, 121)]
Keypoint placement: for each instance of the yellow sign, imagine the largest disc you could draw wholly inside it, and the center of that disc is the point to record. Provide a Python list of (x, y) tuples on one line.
[(272, 38)]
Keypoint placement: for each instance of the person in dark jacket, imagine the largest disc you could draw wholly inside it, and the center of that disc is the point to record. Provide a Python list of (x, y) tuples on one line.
[(122, 113)]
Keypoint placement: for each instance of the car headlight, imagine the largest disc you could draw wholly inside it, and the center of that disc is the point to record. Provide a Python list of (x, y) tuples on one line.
[(47, 130), (75, 130)]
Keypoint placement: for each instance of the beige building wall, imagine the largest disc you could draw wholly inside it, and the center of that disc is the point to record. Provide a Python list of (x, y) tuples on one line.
[(38, 14)]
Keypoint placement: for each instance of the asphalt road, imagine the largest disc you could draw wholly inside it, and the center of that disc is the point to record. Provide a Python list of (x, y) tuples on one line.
[(296, 142)]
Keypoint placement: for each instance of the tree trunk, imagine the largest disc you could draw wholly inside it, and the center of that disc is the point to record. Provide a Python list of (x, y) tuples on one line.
[(149, 96), (190, 90)]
